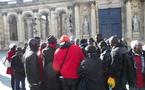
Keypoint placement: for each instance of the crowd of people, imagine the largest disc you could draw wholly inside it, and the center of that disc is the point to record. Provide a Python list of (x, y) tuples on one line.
[(73, 64)]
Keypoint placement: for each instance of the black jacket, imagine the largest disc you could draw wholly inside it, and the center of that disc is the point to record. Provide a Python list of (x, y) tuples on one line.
[(50, 76), (118, 54), (18, 67), (32, 68), (117, 68), (92, 71), (48, 54), (106, 60)]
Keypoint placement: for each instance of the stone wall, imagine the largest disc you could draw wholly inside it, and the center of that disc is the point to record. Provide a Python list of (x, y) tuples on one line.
[(82, 13)]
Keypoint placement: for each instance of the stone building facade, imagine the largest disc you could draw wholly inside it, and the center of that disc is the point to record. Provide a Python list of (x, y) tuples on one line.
[(78, 18)]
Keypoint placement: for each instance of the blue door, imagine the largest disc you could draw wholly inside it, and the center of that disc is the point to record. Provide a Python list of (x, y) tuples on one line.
[(110, 22)]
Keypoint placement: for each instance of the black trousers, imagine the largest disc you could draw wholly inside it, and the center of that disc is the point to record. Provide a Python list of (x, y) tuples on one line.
[(69, 84), (12, 81)]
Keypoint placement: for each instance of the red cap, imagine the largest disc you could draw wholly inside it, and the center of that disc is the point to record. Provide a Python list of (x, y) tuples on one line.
[(64, 38)]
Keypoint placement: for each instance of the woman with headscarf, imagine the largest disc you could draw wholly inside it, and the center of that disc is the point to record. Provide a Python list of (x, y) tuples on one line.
[(10, 54)]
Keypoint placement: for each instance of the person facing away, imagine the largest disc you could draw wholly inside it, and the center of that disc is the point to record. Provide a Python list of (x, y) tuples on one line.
[(117, 68), (83, 44), (50, 79), (19, 72), (91, 70), (136, 67), (10, 54), (32, 67), (67, 60)]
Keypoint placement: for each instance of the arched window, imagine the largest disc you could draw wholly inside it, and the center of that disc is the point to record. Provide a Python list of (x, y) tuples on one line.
[(13, 28)]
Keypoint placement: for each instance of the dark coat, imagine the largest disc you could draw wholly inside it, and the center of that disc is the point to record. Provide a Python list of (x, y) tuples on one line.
[(18, 67), (32, 68), (48, 54), (92, 71), (50, 77), (117, 69), (106, 60), (131, 70)]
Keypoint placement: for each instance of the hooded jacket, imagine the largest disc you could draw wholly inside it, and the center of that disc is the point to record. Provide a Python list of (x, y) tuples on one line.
[(73, 58), (91, 70)]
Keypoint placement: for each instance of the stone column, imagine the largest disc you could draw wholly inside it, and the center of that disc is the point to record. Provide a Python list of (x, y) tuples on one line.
[(52, 22), (36, 32), (1, 32), (77, 21), (97, 17), (20, 27), (6, 28), (123, 16), (93, 20), (128, 21), (38, 26), (55, 25)]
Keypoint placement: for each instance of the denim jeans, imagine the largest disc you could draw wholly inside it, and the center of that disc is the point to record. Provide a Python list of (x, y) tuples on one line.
[(17, 84)]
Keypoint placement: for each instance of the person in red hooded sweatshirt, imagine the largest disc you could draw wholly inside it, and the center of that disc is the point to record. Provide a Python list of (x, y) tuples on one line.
[(67, 60), (10, 54)]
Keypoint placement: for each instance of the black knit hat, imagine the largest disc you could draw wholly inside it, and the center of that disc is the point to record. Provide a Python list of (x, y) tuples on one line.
[(83, 41), (52, 39)]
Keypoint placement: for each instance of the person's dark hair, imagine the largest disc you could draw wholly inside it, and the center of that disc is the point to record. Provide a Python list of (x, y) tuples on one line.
[(83, 41), (36, 37), (33, 44), (91, 49), (98, 38), (43, 45), (102, 44), (91, 40), (19, 49)]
